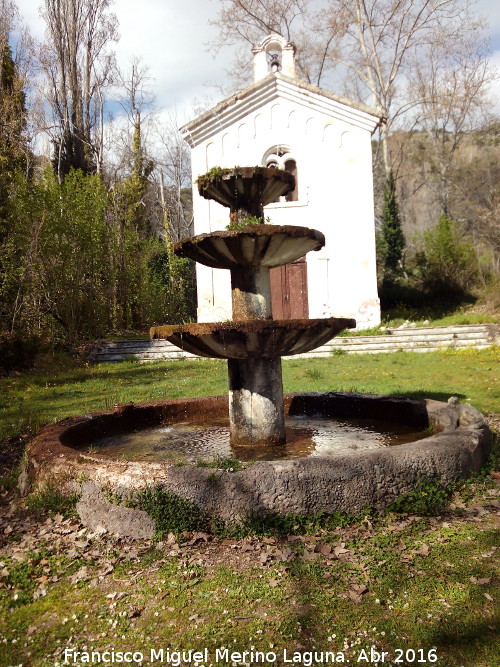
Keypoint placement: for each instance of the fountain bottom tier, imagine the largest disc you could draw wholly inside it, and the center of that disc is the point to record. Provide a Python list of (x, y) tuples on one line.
[(348, 481), (253, 349)]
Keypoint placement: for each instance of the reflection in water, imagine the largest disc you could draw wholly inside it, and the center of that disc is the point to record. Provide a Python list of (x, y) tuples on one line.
[(209, 440)]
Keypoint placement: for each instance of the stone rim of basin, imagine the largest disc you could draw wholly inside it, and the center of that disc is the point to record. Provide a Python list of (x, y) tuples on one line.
[(252, 338), (262, 245), (366, 478)]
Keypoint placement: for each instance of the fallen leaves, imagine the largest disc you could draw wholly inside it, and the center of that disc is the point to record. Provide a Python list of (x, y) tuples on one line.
[(356, 592), (81, 574), (481, 582), (264, 558), (116, 595), (423, 551), (341, 552), (39, 592)]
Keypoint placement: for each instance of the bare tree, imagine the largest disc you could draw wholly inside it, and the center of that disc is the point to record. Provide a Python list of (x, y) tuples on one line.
[(475, 196), (173, 177), (78, 69), (8, 17), (370, 44), (452, 86), (132, 181), (248, 21), (139, 109)]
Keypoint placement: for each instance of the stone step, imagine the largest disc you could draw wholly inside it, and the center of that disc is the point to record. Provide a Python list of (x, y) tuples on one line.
[(456, 328), (384, 350), (405, 340), (414, 339)]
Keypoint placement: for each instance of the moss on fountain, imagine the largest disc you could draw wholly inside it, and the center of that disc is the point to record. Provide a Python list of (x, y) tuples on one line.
[(245, 190)]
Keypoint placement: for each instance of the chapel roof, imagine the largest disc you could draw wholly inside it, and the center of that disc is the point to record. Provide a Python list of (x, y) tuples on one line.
[(272, 86)]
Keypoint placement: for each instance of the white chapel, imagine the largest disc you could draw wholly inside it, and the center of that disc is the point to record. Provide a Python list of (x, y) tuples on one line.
[(325, 141)]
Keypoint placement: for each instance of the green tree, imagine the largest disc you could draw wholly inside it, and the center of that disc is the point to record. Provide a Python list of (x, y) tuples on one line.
[(447, 261), (56, 281), (13, 145), (391, 239)]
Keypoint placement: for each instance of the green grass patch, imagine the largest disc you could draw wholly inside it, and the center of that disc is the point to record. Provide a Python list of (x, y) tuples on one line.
[(65, 388), (393, 319), (397, 317), (427, 498), (279, 525), (172, 514), (422, 593), (9, 481), (52, 500), (229, 464)]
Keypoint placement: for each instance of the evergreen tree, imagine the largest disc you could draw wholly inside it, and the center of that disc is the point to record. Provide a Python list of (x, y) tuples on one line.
[(13, 149), (391, 236), (138, 183)]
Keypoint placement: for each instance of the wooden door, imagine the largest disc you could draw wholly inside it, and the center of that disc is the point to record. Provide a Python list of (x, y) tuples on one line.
[(289, 291)]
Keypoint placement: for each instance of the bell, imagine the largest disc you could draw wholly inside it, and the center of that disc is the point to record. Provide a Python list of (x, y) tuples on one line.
[(275, 63)]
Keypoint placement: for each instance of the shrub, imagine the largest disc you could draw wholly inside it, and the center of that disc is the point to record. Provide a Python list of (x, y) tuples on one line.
[(18, 352), (447, 263)]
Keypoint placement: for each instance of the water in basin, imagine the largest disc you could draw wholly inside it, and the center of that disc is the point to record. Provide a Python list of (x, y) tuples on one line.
[(208, 440)]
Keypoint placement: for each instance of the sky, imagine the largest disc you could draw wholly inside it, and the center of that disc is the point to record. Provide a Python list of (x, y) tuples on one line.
[(170, 37)]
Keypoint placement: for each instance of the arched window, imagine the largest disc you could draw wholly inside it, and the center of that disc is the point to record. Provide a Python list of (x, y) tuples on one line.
[(281, 157)]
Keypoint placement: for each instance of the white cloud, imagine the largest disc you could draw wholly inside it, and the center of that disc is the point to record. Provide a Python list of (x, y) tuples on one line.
[(170, 37), (489, 9)]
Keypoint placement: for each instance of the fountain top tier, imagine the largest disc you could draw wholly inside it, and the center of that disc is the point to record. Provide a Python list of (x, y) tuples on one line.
[(245, 190)]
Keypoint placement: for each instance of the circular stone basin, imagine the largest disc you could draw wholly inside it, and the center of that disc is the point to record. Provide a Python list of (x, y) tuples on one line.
[(255, 245), (344, 482), (241, 187), (252, 338)]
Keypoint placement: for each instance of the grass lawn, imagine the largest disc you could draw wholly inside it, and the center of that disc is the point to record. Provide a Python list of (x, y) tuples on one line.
[(63, 388), (422, 589)]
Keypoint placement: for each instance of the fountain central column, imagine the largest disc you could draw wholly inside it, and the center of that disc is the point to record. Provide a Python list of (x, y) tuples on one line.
[(251, 293), (256, 414), (252, 342)]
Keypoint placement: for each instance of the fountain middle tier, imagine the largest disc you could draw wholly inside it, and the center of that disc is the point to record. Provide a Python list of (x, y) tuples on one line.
[(252, 338), (252, 246), (249, 254)]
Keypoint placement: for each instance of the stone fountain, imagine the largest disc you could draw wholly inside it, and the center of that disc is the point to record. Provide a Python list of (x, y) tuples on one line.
[(452, 440), (253, 343)]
